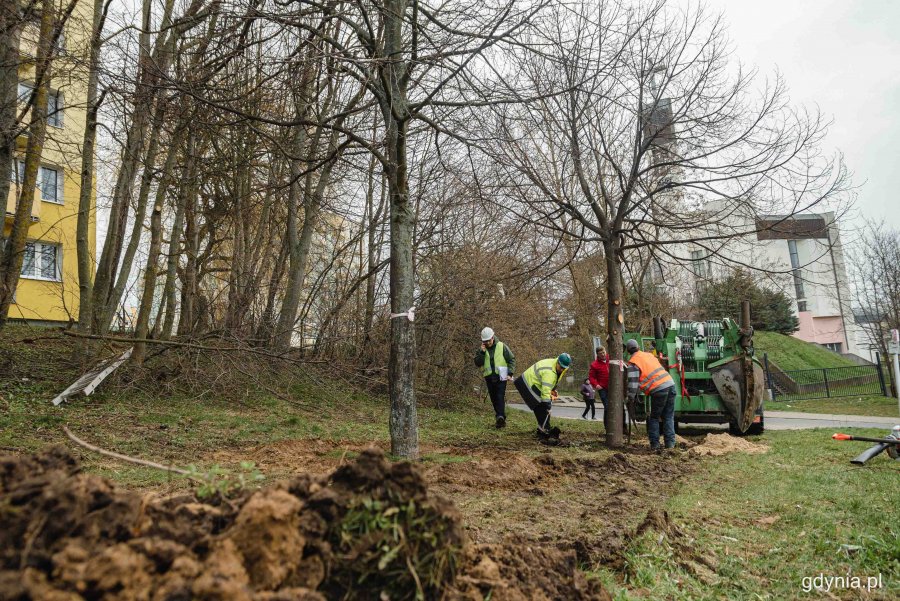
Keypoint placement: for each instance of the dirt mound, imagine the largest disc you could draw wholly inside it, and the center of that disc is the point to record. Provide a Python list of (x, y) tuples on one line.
[(368, 530), (720, 444)]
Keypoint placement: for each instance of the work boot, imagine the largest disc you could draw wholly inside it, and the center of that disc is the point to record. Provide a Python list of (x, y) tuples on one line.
[(541, 434), (500, 423), (555, 432)]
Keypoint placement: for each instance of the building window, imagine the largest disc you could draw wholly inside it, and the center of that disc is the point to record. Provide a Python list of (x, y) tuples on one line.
[(798, 275), (833, 346), (54, 103), (54, 110), (41, 261), (48, 182), (700, 264)]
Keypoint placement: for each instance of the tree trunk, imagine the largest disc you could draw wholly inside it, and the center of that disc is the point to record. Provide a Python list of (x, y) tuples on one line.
[(122, 190), (146, 306), (614, 324), (82, 243), (401, 367), (395, 111), (189, 292), (172, 270), (107, 310), (152, 67), (11, 26), (373, 253), (14, 250), (297, 264)]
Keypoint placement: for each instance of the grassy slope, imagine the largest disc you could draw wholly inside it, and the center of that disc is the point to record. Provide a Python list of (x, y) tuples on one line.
[(821, 501), (791, 353), (181, 430), (818, 502)]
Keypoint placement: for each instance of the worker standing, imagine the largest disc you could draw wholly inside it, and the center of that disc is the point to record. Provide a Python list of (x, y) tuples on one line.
[(598, 374), (497, 364), (646, 373), (537, 385)]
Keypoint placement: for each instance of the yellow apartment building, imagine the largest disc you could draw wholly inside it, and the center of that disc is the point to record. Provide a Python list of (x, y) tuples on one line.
[(48, 285)]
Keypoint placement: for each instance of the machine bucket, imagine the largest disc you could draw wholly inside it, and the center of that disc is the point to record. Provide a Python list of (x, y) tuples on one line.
[(741, 384)]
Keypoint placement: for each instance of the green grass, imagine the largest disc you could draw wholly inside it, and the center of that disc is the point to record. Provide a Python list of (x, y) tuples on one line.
[(830, 517), (821, 501), (879, 406), (181, 430), (791, 353)]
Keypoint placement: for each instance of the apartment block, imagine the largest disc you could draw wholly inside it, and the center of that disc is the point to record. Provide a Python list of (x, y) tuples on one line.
[(48, 284)]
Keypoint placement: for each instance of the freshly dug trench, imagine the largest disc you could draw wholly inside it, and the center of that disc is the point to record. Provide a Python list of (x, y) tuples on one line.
[(368, 530)]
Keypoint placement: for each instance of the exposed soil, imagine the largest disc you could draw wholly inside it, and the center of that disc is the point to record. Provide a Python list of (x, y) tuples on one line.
[(721, 444), (535, 495), (369, 529)]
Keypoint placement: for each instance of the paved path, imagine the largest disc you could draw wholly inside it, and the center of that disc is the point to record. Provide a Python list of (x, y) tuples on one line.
[(775, 420)]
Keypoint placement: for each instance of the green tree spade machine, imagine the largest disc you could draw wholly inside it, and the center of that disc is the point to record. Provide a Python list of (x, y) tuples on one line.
[(717, 378)]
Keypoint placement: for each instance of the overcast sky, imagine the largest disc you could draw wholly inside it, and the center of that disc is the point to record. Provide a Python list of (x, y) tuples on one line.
[(844, 56)]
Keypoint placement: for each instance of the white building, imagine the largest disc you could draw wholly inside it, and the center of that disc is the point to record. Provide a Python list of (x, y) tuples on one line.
[(801, 255)]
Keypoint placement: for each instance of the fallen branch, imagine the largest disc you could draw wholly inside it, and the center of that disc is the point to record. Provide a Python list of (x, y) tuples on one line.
[(127, 458), (220, 349)]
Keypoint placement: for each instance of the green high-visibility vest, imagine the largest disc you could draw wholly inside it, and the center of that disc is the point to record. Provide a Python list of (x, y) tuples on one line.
[(499, 359)]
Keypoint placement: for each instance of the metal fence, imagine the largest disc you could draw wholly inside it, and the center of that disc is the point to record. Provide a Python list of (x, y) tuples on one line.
[(825, 383)]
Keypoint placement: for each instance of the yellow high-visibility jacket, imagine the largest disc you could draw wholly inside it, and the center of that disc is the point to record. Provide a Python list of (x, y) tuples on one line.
[(542, 377)]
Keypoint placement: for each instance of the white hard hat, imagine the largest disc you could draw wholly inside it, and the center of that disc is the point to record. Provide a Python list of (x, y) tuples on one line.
[(486, 334)]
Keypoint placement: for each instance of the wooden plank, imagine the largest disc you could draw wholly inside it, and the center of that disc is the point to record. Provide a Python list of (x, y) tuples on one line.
[(89, 382)]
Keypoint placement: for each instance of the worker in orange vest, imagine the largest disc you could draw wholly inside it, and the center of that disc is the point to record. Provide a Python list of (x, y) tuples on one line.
[(647, 375)]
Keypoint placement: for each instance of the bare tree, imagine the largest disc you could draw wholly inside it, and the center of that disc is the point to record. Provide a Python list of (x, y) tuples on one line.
[(644, 134), (410, 56), (877, 284)]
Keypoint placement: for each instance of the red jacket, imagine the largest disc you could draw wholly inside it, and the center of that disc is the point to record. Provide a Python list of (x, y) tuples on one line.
[(599, 373)]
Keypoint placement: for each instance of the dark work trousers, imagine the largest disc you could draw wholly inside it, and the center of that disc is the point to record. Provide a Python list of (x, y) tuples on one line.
[(533, 400), (662, 405), (603, 394), (497, 391), (589, 406)]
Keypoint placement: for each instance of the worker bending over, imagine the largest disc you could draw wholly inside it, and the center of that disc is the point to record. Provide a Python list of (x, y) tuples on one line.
[(646, 373), (537, 385)]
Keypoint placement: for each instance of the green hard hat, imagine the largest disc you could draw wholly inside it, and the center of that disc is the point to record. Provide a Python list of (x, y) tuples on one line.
[(564, 359)]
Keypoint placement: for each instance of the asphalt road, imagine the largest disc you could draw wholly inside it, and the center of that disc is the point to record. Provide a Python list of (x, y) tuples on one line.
[(775, 420)]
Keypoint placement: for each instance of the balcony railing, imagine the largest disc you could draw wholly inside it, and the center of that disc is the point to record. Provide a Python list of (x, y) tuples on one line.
[(13, 199)]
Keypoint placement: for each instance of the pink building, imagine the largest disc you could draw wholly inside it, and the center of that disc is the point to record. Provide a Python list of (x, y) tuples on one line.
[(809, 246), (801, 255)]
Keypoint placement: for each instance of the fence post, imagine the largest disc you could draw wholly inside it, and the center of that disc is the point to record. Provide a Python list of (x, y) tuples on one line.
[(825, 376), (880, 373), (768, 375)]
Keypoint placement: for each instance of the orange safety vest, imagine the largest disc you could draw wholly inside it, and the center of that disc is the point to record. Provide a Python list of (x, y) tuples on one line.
[(653, 374)]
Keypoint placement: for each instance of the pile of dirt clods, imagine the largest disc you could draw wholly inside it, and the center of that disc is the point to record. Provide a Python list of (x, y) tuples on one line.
[(368, 530)]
